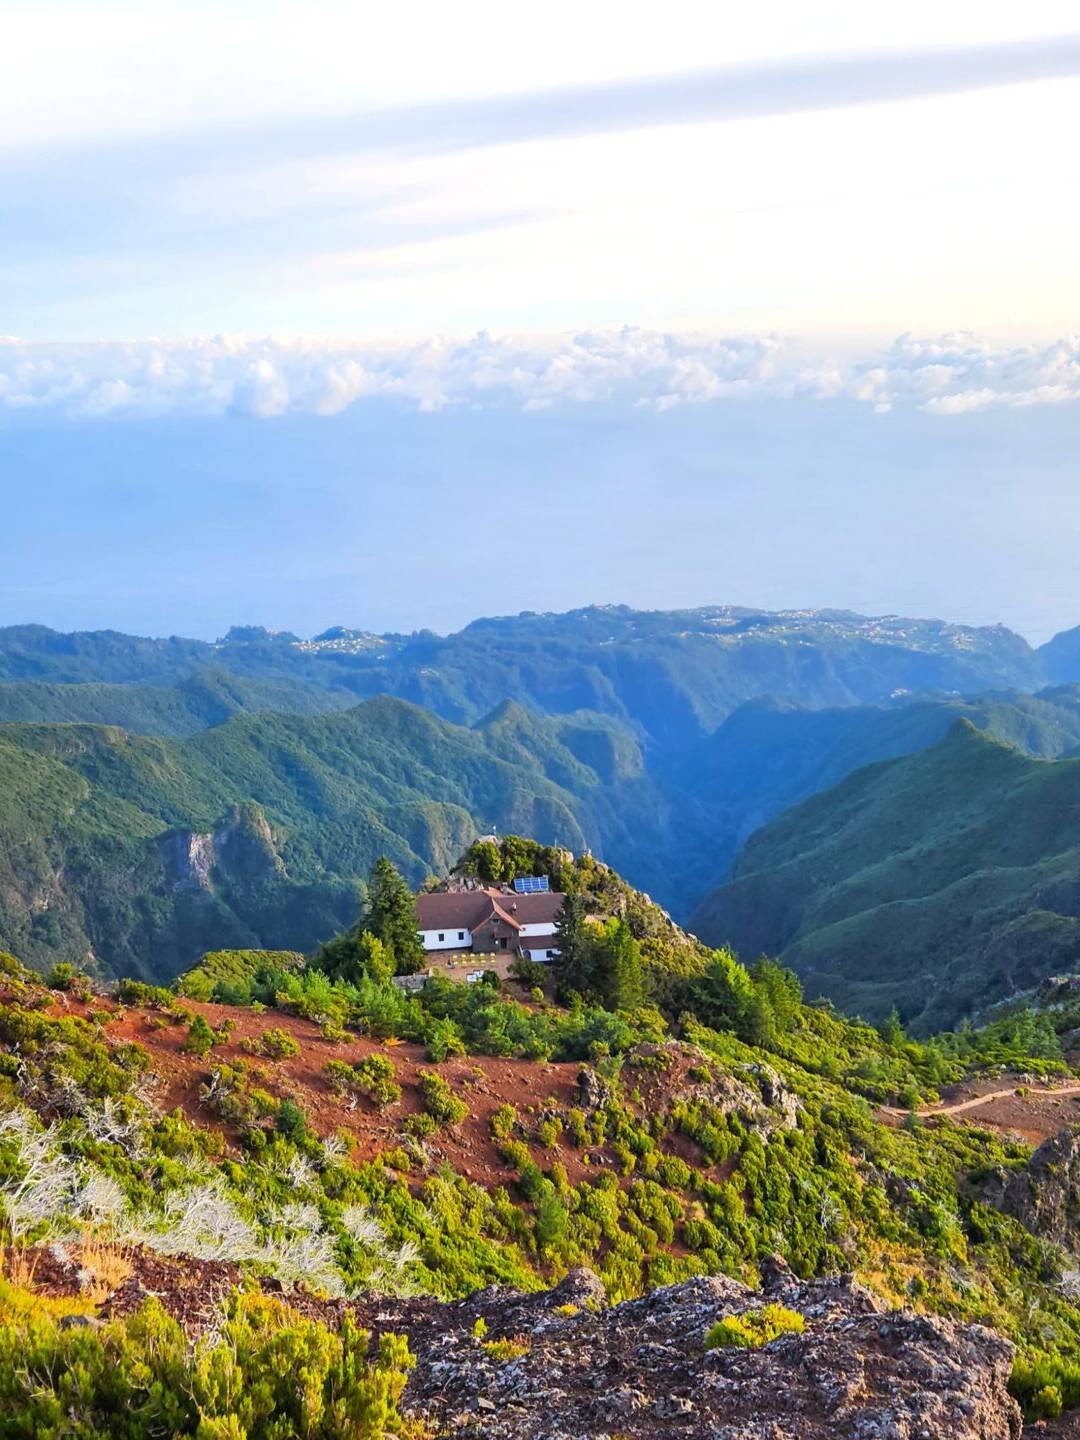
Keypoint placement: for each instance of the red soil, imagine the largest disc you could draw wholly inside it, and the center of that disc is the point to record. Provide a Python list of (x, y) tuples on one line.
[(484, 1083)]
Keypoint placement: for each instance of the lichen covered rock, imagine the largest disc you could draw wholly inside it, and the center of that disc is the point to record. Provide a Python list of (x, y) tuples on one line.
[(642, 1368)]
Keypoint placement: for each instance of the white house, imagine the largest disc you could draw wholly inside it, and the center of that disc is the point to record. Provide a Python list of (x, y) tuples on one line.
[(490, 922)]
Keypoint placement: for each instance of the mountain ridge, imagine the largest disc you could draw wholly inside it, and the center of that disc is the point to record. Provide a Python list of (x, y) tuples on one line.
[(930, 881), (676, 674)]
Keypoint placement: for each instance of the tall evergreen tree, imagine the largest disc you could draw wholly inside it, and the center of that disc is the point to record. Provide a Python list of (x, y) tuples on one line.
[(723, 996), (391, 917), (619, 974), (574, 967), (890, 1029)]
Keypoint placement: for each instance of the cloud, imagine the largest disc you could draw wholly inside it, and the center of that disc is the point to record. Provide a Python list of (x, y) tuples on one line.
[(953, 375), (215, 187), (264, 378)]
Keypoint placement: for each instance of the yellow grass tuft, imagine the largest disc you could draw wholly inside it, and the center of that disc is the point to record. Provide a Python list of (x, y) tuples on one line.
[(103, 1268)]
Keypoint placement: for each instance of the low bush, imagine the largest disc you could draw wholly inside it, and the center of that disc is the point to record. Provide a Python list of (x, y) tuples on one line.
[(755, 1328), (139, 1377), (273, 1044), (200, 1037), (440, 1102)]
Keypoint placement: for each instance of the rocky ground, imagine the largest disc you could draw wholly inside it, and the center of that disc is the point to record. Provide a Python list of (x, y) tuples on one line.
[(641, 1369), (578, 1369)]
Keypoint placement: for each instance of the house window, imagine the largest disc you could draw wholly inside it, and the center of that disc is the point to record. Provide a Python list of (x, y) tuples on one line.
[(441, 935), (461, 934)]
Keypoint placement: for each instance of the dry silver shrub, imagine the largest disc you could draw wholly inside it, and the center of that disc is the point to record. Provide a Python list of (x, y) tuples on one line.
[(308, 1257), (108, 1121), (44, 1193), (300, 1172), (333, 1149), (100, 1199), (390, 1271), (202, 1222)]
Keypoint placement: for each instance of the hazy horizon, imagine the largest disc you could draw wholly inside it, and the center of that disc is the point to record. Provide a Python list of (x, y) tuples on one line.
[(386, 519)]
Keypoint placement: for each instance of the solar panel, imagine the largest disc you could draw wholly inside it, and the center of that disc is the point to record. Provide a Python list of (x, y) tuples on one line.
[(531, 884)]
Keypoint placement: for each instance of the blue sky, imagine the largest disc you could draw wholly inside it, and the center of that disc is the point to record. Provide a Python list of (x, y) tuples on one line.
[(775, 307)]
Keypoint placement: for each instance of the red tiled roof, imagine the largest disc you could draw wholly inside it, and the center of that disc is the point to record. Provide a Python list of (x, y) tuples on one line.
[(497, 909), (466, 909), (540, 908), (456, 910)]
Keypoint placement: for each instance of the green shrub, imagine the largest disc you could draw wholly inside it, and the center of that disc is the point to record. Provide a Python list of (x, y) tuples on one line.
[(501, 1122), (274, 1044), (200, 1037), (421, 1126), (195, 985), (503, 1351), (755, 1328), (267, 1373), (375, 1077), (1047, 1403), (290, 1121), (549, 1131), (62, 976), (440, 1102)]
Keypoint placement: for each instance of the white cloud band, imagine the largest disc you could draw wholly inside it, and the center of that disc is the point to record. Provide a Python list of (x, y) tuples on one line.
[(948, 376)]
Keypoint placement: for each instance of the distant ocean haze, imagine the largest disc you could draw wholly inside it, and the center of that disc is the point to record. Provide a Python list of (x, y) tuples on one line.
[(386, 519)]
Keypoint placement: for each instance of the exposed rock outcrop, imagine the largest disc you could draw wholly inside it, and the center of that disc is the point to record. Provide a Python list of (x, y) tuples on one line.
[(641, 1368), (1045, 1195), (190, 859), (241, 849), (579, 1369)]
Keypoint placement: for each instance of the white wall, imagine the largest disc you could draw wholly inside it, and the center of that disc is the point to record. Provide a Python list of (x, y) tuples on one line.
[(547, 928), (450, 940)]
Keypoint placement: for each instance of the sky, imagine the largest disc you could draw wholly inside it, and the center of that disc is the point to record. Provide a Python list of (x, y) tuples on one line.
[(313, 314)]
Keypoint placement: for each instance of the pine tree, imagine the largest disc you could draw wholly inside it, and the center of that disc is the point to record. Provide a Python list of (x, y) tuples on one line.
[(619, 971), (890, 1029), (758, 1024), (724, 995), (391, 917), (781, 989), (574, 966)]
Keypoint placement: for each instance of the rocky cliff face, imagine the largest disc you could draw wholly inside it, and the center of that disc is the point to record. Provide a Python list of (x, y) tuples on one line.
[(242, 848), (1045, 1196)]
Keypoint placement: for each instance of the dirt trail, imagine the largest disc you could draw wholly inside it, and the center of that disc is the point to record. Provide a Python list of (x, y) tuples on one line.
[(928, 1111)]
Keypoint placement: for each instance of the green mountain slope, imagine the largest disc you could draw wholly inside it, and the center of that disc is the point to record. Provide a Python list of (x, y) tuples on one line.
[(939, 882), (206, 698), (673, 675), (671, 818), (768, 755), (134, 854), (1060, 657)]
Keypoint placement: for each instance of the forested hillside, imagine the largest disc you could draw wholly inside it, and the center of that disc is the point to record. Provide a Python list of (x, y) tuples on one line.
[(133, 855), (212, 1189), (205, 698), (939, 882), (671, 674), (190, 796)]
